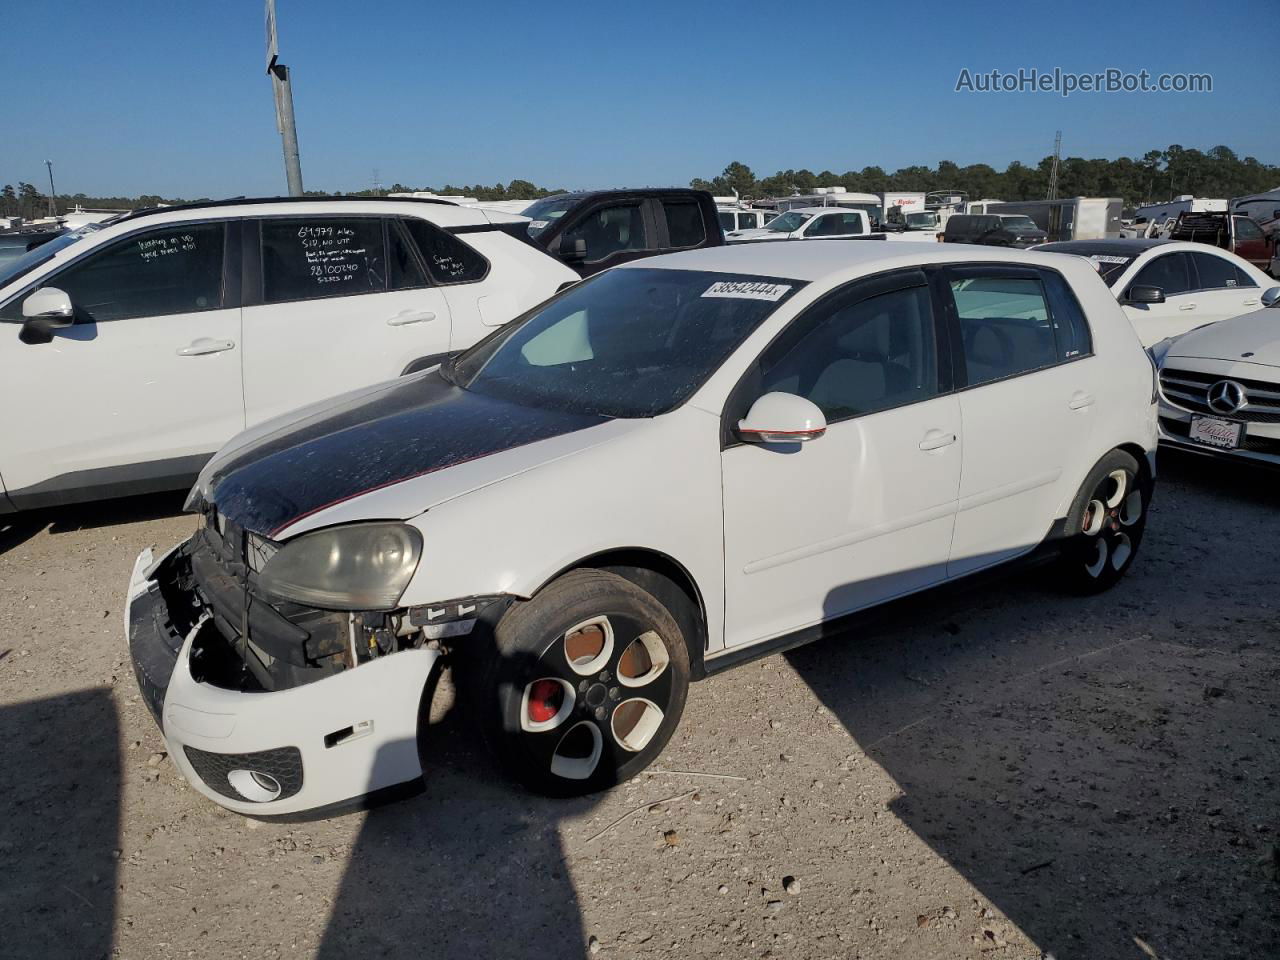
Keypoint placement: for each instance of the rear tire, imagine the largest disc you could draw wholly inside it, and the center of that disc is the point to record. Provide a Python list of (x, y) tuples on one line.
[(585, 687), (1105, 525)]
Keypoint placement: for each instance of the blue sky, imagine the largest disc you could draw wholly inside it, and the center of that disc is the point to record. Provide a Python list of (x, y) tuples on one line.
[(171, 98)]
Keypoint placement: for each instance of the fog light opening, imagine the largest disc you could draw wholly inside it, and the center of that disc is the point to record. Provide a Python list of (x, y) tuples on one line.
[(255, 785)]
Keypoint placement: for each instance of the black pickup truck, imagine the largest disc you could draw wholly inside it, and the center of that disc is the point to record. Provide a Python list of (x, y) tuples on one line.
[(598, 229)]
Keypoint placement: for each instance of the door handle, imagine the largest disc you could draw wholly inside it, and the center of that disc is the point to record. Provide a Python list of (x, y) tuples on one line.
[(410, 316), (936, 440), (205, 345), (1249, 303), (1080, 400), (1187, 306)]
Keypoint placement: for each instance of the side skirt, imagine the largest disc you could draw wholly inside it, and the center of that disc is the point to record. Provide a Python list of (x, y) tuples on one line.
[(105, 483), (1045, 552)]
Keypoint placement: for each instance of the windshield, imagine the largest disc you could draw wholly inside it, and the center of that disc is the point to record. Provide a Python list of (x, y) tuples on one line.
[(789, 221), (544, 213), (626, 343), (1109, 263), (11, 270), (921, 221), (1020, 225)]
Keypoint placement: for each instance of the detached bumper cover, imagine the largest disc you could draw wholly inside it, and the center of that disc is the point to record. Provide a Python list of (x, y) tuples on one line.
[(326, 744)]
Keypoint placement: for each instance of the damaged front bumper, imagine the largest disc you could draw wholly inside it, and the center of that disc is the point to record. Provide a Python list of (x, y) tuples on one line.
[(340, 742)]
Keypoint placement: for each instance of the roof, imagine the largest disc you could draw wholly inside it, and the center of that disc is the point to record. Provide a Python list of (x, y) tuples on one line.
[(629, 191), (1119, 247), (440, 212), (835, 259), (830, 208)]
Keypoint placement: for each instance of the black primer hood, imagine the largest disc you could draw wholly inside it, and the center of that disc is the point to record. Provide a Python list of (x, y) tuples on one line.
[(416, 427)]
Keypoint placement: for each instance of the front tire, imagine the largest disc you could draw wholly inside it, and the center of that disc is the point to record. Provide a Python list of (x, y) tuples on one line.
[(1105, 525), (586, 684)]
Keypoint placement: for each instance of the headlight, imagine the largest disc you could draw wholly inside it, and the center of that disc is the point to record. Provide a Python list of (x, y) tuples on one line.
[(363, 566), (1158, 351)]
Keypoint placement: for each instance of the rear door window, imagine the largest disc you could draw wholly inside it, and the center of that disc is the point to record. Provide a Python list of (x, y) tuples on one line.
[(312, 257), (1215, 273), (726, 220), (1004, 326), (684, 223), (1169, 273)]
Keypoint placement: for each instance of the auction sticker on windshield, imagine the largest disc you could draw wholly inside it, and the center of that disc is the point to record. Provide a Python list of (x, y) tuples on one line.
[(1215, 433), (747, 290)]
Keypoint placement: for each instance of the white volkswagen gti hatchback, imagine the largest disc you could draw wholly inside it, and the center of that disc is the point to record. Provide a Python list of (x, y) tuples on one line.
[(152, 341), (666, 470)]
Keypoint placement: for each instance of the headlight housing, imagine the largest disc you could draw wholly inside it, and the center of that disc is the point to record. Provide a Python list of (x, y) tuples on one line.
[(1158, 351), (361, 566)]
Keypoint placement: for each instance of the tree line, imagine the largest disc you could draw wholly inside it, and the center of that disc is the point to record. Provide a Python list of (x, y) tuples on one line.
[(28, 202), (1155, 176)]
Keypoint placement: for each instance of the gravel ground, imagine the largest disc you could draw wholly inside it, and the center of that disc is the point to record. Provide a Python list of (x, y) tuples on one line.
[(1001, 772)]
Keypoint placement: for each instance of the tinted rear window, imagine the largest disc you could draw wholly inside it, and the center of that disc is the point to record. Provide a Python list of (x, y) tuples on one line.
[(1106, 261)]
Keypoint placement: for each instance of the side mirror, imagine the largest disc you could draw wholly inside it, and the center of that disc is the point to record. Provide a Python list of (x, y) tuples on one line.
[(782, 418), (1144, 294), (572, 250), (1271, 297), (44, 311)]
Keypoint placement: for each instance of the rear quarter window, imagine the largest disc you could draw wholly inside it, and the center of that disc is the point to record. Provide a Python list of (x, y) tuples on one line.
[(1070, 328), (449, 259)]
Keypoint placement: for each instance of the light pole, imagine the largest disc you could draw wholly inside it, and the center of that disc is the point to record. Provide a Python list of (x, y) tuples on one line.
[(284, 105), (53, 206)]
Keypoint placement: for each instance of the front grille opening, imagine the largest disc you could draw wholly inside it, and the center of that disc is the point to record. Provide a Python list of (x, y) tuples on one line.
[(215, 661)]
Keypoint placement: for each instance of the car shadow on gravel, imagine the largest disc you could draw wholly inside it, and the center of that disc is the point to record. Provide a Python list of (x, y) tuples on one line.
[(16, 529), (1049, 759), (473, 868), (60, 829)]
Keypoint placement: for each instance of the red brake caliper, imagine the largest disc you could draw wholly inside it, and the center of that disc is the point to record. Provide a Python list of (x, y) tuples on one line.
[(545, 699)]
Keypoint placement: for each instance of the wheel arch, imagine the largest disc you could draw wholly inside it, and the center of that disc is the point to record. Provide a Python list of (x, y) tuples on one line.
[(1136, 451), (666, 579)]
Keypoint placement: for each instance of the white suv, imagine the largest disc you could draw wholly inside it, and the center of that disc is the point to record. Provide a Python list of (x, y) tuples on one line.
[(148, 343), (668, 469)]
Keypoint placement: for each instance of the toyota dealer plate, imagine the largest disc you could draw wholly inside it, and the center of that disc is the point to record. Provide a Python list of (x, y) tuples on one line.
[(1212, 432)]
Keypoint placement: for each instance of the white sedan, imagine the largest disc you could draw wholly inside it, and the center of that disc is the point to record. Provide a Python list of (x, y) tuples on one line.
[(669, 469), (1220, 387), (1168, 287)]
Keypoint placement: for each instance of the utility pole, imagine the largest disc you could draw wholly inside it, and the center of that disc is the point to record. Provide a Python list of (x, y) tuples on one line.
[(1053, 172), (53, 205), (284, 105)]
